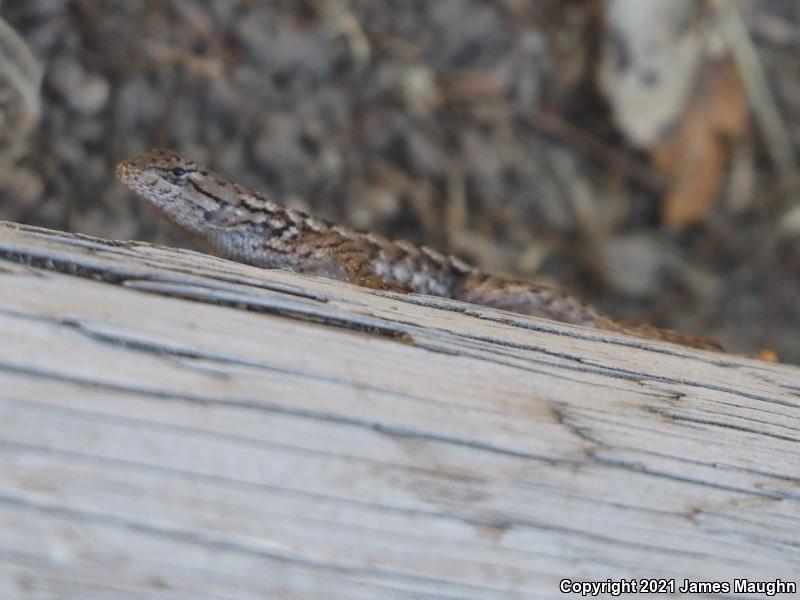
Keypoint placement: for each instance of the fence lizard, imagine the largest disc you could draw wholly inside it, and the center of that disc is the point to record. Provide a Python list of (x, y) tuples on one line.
[(251, 228)]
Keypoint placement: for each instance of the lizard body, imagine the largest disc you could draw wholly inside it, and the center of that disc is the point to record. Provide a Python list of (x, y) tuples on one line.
[(251, 228)]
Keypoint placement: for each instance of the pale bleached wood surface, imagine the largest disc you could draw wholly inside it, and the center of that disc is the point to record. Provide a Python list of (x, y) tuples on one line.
[(179, 426)]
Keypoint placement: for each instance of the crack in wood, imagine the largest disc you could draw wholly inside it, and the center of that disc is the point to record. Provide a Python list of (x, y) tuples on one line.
[(181, 290), (265, 406)]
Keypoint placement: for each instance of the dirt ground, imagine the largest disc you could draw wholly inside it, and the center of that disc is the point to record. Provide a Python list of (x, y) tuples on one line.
[(485, 128)]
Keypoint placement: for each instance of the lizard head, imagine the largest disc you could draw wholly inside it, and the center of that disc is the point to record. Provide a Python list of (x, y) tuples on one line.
[(236, 221), (185, 192)]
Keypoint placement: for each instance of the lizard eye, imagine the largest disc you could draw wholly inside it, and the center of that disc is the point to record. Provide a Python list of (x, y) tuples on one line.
[(178, 172)]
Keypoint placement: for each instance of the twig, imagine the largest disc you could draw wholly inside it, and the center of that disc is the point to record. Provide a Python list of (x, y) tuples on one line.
[(765, 110)]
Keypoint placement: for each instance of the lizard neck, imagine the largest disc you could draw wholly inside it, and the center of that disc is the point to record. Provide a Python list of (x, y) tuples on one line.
[(260, 245), (251, 244)]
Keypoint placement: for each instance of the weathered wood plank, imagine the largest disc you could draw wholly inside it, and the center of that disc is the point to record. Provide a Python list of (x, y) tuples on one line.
[(179, 426)]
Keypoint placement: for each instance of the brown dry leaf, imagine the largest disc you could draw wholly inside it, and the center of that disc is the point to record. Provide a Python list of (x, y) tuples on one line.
[(675, 93), (694, 153), (767, 355)]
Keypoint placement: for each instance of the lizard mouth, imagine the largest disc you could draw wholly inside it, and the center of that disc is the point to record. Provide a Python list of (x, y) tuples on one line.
[(124, 171), (121, 170), (133, 176)]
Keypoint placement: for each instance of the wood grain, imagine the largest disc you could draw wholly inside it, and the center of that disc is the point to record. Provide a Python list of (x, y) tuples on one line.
[(181, 426)]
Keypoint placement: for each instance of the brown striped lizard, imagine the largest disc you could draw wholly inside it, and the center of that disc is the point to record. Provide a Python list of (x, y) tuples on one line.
[(251, 228)]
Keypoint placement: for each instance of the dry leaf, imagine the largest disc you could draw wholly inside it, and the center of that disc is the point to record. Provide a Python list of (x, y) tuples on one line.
[(767, 355), (675, 93), (696, 151), (651, 54)]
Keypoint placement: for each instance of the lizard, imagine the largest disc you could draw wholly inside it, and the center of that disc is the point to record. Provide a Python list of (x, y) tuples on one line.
[(250, 227)]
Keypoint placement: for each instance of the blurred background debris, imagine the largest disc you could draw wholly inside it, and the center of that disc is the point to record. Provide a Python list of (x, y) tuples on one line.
[(642, 154), (20, 80)]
